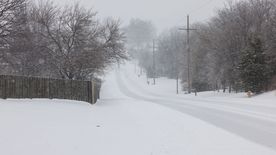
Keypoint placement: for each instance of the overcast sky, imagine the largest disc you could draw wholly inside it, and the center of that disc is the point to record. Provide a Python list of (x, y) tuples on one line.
[(163, 13)]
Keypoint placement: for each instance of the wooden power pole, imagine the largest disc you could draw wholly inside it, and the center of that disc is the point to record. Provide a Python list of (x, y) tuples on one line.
[(177, 83), (188, 29), (153, 61)]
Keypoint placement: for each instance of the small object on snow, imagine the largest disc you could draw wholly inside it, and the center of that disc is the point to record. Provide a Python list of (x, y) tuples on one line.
[(249, 94), (98, 126)]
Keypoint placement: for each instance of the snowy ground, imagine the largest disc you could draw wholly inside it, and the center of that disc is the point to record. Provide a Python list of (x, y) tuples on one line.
[(134, 118)]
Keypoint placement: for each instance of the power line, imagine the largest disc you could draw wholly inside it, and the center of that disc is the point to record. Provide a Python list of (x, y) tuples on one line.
[(196, 9), (201, 6)]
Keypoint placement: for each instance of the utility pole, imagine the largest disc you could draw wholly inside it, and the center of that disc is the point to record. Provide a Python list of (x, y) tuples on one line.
[(153, 61), (188, 29), (176, 73), (177, 84)]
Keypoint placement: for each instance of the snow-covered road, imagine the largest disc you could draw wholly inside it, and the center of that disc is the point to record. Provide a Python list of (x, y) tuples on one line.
[(253, 119)]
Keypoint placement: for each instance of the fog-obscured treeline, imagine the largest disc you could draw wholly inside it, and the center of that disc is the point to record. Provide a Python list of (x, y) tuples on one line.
[(235, 50), (44, 39)]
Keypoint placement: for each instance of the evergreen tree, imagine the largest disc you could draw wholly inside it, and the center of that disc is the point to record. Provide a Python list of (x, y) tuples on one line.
[(253, 68)]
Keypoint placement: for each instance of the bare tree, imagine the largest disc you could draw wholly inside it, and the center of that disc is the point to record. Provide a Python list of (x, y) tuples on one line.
[(170, 54), (78, 43), (218, 45), (8, 10), (140, 35)]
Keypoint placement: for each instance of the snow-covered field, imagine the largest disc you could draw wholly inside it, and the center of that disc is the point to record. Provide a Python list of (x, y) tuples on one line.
[(133, 118)]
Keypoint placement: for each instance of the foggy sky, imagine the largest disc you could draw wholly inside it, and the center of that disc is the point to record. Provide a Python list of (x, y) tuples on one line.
[(163, 13)]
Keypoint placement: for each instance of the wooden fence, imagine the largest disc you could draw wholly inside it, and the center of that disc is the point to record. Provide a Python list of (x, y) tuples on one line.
[(34, 87)]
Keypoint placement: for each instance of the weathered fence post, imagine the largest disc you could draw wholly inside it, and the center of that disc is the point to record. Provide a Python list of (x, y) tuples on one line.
[(5, 88), (93, 91)]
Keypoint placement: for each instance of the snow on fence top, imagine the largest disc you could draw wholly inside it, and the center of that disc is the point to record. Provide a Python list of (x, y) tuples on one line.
[(35, 87)]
